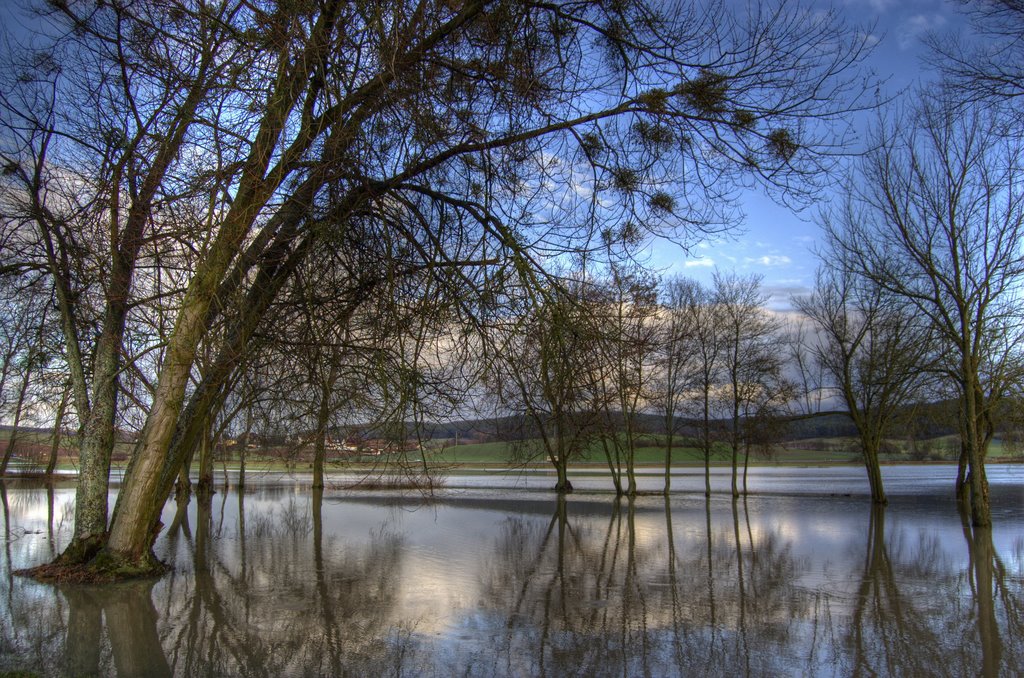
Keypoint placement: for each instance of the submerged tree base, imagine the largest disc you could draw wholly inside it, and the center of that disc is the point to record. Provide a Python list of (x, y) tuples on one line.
[(104, 567)]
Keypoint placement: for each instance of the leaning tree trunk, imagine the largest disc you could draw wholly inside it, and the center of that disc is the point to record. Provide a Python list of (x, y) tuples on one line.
[(612, 469), (147, 482), (169, 432), (161, 467), (150, 475)]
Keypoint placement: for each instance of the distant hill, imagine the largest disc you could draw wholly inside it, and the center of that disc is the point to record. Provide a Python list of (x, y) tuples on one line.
[(925, 421), (928, 420), (512, 428)]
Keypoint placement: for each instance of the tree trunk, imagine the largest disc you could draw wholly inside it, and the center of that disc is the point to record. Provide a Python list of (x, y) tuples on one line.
[(241, 464), (669, 439), (977, 482), (320, 445), (206, 454), (746, 465), (734, 440), (874, 470), (322, 420), (58, 423), (706, 443), (561, 462), (167, 435), (96, 447), (707, 468), (562, 485), (154, 464), (616, 480), (148, 481), (49, 518), (981, 511), (183, 486), (631, 488), (18, 409), (961, 474)]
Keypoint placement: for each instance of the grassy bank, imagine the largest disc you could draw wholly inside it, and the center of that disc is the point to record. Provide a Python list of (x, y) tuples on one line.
[(34, 451)]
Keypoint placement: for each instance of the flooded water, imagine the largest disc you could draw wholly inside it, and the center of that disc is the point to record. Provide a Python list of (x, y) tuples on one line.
[(501, 579)]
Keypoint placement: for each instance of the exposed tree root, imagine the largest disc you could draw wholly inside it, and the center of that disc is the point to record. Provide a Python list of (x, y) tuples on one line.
[(103, 568)]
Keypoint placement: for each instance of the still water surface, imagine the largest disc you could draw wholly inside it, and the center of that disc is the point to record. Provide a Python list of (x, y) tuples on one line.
[(505, 580)]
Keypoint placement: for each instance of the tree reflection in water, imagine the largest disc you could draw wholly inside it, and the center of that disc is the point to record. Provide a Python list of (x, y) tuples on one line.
[(911, 615), (276, 582), (130, 622), (614, 601), (257, 610)]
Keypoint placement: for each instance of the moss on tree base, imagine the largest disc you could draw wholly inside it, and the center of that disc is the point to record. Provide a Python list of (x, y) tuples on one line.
[(81, 550), (104, 567)]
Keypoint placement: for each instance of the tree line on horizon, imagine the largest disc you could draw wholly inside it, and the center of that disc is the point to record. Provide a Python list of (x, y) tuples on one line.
[(209, 209)]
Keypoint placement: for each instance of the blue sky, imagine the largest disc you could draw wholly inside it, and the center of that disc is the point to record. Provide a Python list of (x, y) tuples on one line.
[(775, 242)]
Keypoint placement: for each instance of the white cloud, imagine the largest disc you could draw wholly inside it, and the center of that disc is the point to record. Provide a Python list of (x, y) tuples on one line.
[(917, 25), (879, 6), (770, 260), (870, 39), (706, 262)]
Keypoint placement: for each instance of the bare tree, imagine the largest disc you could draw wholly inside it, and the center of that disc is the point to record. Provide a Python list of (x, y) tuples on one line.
[(800, 337), (748, 357), (25, 354), (547, 368), (875, 352), (700, 313), (987, 68), (768, 396), (935, 217), (626, 331), (674, 361)]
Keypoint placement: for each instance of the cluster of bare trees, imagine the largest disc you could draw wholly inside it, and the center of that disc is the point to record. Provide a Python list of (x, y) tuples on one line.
[(596, 355), (32, 376)]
